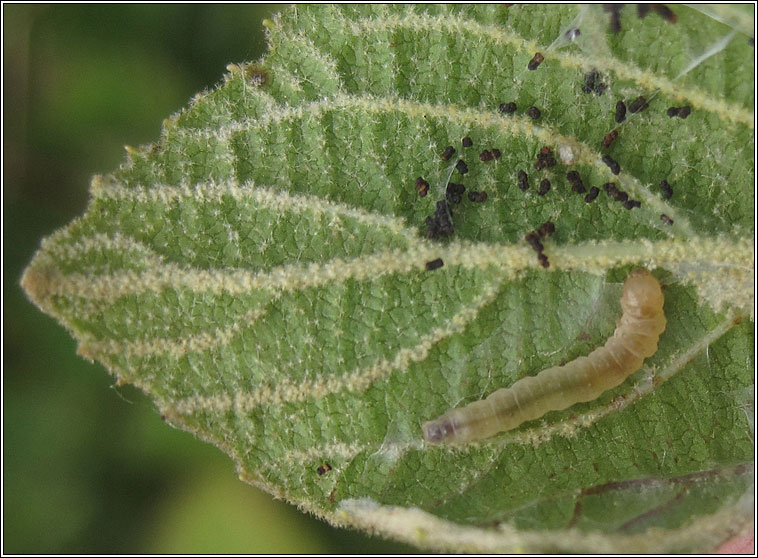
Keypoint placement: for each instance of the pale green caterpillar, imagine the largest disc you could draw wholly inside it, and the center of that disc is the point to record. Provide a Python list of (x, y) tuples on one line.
[(583, 379)]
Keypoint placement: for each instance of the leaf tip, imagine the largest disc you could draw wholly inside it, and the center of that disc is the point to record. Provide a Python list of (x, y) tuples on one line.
[(37, 283)]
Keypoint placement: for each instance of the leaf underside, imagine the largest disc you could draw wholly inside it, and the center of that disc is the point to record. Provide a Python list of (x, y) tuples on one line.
[(261, 272)]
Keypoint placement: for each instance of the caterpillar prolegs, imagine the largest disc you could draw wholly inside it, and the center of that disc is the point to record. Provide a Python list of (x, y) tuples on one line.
[(556, 388)]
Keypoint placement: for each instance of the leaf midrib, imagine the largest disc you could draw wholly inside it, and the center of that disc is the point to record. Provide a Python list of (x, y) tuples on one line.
[(592, 257)]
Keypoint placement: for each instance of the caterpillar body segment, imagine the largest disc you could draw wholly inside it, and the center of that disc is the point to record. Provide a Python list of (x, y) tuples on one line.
[(559, 387)]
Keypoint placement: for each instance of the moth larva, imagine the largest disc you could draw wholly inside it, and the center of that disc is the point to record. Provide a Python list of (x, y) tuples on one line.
[(556, 388)]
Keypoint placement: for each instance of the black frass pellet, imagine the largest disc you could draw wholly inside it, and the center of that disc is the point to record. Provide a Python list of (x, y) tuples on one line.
[(454, 192), (615, 12), (665, 12), (544, 187), (535, 61), (507, 108), (523, 181), (533, 240), (477, 197), (440, 224), (612, 164), (609, 138), (681, 112), (638, 105), (434, 264), (620, 112), (422, 187), (546, 229), (576, 182), (592, 83)]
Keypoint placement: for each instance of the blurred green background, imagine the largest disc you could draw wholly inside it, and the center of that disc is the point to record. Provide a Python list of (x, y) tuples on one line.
[(90, 467)]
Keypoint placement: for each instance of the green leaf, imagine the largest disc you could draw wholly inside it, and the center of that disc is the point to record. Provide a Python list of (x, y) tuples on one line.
[(260, 272)]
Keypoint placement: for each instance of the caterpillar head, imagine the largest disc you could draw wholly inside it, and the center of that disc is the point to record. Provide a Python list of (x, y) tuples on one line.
[(440, 430)]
